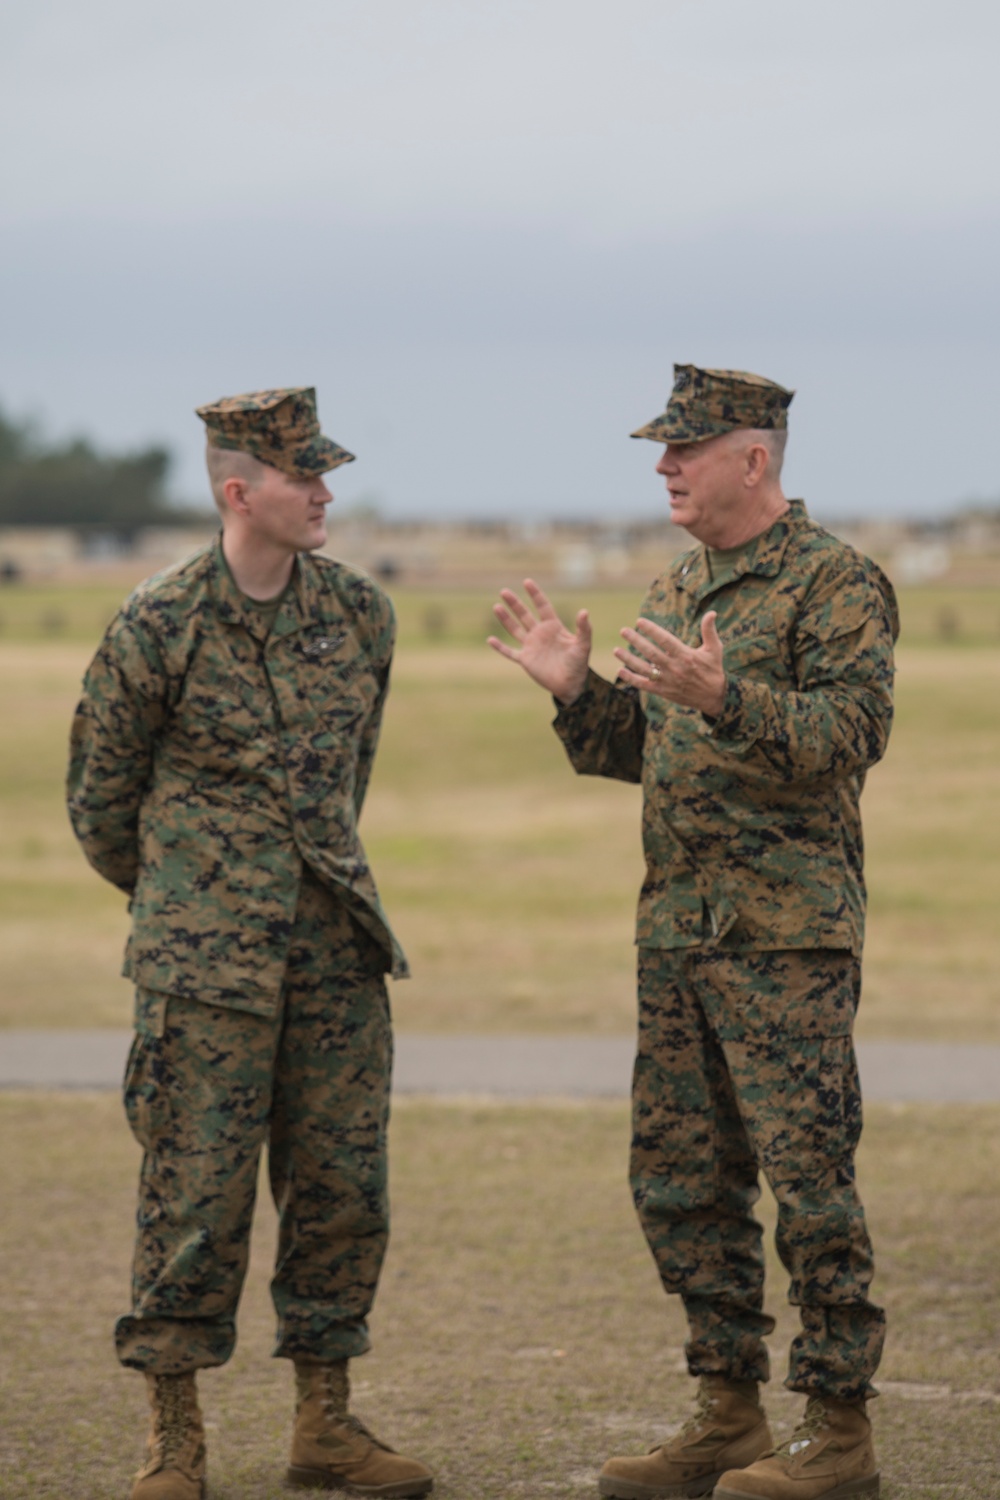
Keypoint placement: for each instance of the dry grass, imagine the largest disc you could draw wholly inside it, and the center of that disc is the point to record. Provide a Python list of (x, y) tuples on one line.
[(931, 824), (511, 881), (520, 1334)]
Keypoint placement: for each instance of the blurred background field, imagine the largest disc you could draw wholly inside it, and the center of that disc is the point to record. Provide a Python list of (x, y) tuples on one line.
[(511, 881)]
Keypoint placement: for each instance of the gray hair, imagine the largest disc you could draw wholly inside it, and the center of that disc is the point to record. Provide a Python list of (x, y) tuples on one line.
[(772, 438)]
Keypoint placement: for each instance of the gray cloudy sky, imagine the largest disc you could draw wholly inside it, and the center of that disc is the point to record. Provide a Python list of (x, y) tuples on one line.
[(485, 232)]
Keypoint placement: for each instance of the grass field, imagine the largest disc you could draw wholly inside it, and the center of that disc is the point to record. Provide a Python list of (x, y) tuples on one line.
[(512, 882), (520, 1334)]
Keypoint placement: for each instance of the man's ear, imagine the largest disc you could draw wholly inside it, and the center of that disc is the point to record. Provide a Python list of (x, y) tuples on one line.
[(235, 494), (756, 461)]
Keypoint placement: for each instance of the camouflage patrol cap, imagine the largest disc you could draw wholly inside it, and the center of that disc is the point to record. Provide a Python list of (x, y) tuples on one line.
[(706, 403), (279, 427)]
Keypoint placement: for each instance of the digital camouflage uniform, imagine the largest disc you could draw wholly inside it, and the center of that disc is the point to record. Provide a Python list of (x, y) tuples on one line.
[(750, 924), (218, 766)]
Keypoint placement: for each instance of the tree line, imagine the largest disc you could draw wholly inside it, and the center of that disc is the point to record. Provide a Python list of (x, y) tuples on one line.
[(74, 484)]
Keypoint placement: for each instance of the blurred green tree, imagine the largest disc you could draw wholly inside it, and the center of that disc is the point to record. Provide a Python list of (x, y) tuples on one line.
[(73, 484)]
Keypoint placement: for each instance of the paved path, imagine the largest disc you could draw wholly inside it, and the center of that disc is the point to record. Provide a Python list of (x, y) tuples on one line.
[(522, 1067)]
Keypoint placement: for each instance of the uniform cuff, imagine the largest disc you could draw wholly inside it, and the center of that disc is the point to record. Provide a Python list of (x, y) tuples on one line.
[(741, 722), (566, 712)]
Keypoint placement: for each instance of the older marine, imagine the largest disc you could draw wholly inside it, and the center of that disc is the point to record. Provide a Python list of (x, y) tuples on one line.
[(753, 694), (219, 760)]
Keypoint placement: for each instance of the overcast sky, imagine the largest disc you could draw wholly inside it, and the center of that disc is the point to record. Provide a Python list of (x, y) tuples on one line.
[(486, 231)]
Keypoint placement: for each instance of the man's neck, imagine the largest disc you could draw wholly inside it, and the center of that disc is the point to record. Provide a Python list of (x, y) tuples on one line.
[(259, 571), (745, 525)]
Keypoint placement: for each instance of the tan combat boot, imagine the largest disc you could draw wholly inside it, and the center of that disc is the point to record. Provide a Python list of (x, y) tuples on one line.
[(175, 1469), (332, 1450), (829, 1456), (729, 1427)]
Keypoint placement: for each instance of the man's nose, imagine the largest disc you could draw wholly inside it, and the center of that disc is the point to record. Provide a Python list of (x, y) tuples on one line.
[(668, 463)]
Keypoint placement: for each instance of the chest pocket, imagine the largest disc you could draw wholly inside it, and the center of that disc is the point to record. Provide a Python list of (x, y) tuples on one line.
[(224, 722), (348, 696), (757, 653), (330, 687)]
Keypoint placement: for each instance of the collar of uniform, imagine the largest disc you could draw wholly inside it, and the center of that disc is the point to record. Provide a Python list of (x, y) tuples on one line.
[(763, 555), (300, 606), (231, 606)]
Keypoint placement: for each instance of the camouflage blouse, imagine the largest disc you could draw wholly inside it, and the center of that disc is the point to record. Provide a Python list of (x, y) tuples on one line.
[(211, 756), (751, 821)]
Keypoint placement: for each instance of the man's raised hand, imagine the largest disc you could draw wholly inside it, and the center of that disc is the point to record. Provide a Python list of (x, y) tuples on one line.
[(554, 656), (659, 663)]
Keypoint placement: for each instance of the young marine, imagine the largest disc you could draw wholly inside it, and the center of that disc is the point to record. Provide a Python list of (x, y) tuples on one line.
[(219, 760)]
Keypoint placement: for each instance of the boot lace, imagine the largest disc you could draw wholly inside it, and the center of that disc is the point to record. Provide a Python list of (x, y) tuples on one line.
[(348, 1419), (336, 1390), (814, 1420), (701, 1415), (334, 1396), (174, 1419)]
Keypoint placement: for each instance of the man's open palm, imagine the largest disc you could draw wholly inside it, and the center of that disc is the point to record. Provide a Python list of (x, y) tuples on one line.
[(553, 655)]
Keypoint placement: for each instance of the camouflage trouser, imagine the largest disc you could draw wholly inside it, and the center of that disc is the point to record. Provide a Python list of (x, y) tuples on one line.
[(205, 1087), (745, 1061)]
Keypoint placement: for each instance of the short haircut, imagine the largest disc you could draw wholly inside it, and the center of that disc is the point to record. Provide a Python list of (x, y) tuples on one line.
[(230, 463), (772, 438)]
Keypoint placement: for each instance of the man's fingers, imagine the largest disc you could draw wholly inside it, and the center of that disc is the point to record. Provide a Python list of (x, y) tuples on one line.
[(507, 621), (644, 648), (502, 648), (709, 635), (515, 616), (517, 607), (645, 668), (540, 599), (537, 593), (634, 679), (656, 633)]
